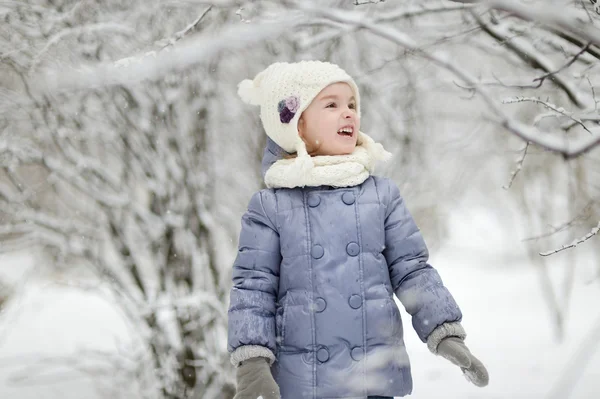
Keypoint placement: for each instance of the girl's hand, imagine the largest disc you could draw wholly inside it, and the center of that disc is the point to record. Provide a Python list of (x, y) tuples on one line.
[(254, 379), (455, 350)]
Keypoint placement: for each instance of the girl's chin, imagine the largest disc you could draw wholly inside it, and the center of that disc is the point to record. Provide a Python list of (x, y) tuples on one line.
[(343, 150)]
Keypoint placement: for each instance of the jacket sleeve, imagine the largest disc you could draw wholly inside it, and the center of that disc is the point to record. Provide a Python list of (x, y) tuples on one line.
[(251, 324), (416, 283)]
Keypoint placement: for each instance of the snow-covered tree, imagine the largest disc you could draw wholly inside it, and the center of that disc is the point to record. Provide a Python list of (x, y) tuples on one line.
[(121, 179)]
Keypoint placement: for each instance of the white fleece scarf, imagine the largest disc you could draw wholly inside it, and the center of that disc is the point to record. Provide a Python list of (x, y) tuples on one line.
[(330, 170)]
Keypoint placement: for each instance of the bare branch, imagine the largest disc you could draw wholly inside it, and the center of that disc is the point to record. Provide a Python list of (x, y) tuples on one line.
[(593, 94), (62, 226), (574, 243), (100, 27), (182, 33), (530, 55), (177, 58), (422, 9), (548, 15), (565, 66), (566, 149), (82, 162), (563, 226), (65, 172), (401, 13), (518, 168), (357, 3), (556, 110), (554, 144)]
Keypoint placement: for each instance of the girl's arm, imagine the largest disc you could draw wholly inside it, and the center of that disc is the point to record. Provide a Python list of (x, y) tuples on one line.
[(251, 330), (435, 314)]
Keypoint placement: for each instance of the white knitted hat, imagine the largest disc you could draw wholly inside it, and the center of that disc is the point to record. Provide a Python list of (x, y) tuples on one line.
[(284, 90)]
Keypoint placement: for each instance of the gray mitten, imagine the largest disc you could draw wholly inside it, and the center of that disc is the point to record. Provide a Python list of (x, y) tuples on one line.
[(455, 350), (254, 379)]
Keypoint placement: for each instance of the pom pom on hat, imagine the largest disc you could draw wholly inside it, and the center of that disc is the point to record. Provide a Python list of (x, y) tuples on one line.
[(248, 92)]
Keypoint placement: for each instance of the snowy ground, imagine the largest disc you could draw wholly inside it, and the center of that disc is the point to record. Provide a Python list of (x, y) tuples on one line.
[(58, 341), (510, 328), (508, 322)]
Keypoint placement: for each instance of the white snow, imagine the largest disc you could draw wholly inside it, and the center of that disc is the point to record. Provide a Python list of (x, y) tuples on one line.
[(510, 328), (58, 341)]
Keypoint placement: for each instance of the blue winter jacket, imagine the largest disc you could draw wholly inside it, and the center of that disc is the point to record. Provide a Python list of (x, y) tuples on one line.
[(314, 280)]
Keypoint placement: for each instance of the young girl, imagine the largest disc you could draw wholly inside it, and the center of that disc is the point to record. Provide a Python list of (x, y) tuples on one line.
[(323, 250)]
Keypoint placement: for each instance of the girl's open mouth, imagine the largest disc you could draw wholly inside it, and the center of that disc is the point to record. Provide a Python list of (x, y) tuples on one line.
[(347, 131)]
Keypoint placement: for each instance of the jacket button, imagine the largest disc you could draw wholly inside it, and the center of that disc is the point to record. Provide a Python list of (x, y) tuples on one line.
[(320, 305), (323, 355), (357, 353), (352, 249), (317, 251), (355, 301), (314, 200), (348, 198)]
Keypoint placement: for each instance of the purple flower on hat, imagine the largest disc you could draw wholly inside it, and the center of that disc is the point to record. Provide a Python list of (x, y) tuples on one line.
[(287, 108), (292, 103)]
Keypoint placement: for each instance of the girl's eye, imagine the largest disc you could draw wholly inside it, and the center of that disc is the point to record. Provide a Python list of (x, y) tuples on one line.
[(352, 106), (330, 105)]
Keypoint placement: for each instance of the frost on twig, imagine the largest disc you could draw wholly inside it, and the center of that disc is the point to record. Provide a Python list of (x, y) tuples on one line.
[(564, 226), (360, 3), (182, 33), (550, 16), (575, 243), (412, 11), (106, 28), (528, 133), (517, 169), (552, 107), (527, 52), (565, 66)]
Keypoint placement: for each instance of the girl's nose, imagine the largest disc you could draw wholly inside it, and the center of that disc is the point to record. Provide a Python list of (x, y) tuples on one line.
[(347, 114)]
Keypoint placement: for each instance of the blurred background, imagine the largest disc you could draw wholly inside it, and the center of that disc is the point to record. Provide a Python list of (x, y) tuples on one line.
[(127, 161)]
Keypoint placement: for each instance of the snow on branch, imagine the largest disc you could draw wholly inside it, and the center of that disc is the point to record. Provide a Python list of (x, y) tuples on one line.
[(566, 65), (196, 301), (99, 27), (82, 162), (15, 228), (182, 33), (555, 144), (575, 243), (402, 12), (564, 226), (363, 2), (423, 9), (529, 134), (528, 53), (23, 154), (517, 169), (62, 226), (177, 58), (550, 16), (553, 108)]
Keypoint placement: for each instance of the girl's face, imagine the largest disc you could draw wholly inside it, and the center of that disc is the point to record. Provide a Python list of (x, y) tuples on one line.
[(330, 125)]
